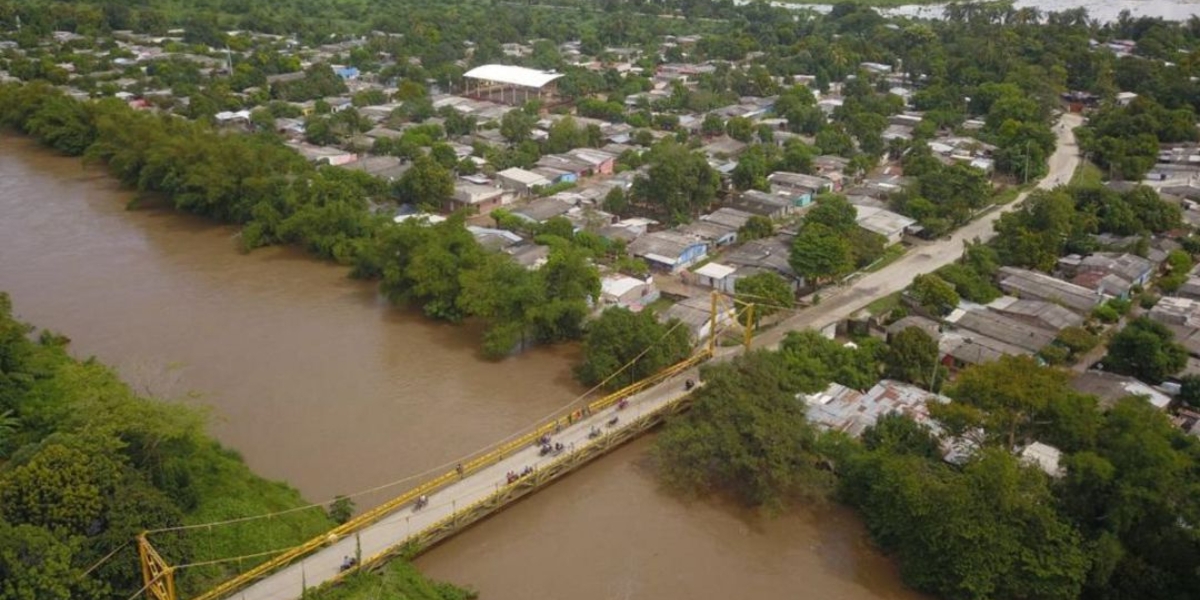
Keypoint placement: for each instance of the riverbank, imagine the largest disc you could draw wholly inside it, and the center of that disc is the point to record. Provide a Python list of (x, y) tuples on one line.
[(86, 465)]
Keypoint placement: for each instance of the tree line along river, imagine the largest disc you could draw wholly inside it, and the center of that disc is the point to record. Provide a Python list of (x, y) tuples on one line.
[(318, 382)]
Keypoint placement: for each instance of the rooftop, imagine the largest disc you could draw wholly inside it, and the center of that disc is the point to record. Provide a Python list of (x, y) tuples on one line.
[(1039, 286), (844, 409), (1006, 329), (513, 75), (1110, 387)]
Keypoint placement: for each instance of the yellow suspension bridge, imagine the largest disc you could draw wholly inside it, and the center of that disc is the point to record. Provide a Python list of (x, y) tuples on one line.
[(472, 490)]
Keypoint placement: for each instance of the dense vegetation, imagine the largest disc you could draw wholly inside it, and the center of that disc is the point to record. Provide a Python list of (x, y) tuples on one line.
[(398, 579), (85, 465), (830, 244), (1117, 524)]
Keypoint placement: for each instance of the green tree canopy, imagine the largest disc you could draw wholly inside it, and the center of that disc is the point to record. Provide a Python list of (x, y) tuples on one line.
[(1145, 349), (622, 347)]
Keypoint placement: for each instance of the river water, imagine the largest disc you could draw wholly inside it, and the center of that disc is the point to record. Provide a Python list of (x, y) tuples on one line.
[(319, 383)]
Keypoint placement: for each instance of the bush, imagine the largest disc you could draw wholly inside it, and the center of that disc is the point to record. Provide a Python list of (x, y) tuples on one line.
[(1106, 314)]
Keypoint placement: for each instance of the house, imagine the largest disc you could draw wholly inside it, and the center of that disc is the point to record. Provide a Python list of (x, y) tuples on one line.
[(542, 210), (728, 217), (1027, 284), (1110, 273), (892, 226), (755, 202), (628, 292), (389, 168), (1046, 315), (1013, 332), (716, 276), (931, 328), (477, 198), (346, 73), (839, 408), (599, 161), (567, 163), (494, 239), (803, 189), (530, 256), (322, 154), (696, 314), (669, 250), (1110, 387), (723, 146), (964, 348), (715, 234), (521, 181), (556, 175), (767, 254)]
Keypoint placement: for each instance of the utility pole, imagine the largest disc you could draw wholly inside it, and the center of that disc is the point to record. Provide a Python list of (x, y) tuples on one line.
[(1027, 161), (712, 326), (749, 328)]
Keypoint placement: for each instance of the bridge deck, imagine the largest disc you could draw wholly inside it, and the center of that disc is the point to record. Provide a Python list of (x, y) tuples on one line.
[(485, 485)]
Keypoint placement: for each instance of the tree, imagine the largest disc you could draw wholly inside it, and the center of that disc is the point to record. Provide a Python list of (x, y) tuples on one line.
[(516, 126), (1189, 390), (745, 435), (678, 182), (572, 285), (1015, 401), (934, 294), (34, 563), (507, 295), (427, 183), (833, 211), (1145, 349), (932, 517), (622, 347), (820, 253), (756, 227), (751, 170), (913, 357), (767, 291), (740, 129)]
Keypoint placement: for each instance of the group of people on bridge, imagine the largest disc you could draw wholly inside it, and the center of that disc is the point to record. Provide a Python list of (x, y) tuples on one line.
[(514, 476)]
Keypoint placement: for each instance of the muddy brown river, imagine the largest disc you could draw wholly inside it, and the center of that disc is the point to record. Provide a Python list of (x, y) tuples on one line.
[(318, 382)]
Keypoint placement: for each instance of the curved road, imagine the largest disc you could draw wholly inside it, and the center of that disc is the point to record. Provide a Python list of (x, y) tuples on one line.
[(841, 302)]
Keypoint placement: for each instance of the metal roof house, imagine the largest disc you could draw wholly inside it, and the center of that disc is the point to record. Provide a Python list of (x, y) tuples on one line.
[(1024, 283), (669, 250)]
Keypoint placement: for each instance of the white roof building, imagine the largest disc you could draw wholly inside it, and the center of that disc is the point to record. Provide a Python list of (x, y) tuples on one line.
[(512, 75)]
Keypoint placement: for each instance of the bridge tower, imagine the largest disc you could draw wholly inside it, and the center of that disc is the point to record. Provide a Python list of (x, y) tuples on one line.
[(157, 576)]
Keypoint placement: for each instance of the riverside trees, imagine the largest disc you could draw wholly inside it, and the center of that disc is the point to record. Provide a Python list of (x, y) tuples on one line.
[(1116, 523), (278, 197)]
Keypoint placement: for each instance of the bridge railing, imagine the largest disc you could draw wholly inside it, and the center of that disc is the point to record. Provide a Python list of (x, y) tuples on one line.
[(469, 466)]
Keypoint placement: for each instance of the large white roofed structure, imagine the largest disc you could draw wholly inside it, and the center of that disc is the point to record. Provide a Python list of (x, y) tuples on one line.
[(508, 84), (512, 75)]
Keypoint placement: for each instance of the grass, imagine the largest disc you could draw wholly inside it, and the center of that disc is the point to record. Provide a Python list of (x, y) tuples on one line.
[(398, 579), (1008, 195), (890, 255), (227, 489), (885, 304), (1087, 174)]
